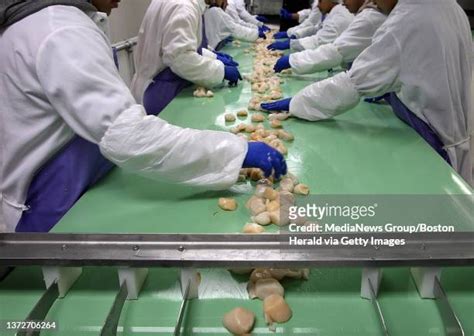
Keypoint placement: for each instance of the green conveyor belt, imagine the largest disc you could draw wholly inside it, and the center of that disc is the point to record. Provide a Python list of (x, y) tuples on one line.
[(366, 151)]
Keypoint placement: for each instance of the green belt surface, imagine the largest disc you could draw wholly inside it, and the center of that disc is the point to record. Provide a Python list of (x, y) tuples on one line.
[(365, 151)]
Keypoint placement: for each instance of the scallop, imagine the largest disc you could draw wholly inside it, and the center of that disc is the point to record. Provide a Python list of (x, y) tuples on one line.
[(227, 204), (253, 228), (256, 205), (242, 113), (275, 123), (284, 135), (276, 309), (239, 321), (262, 218), (258, 117), (229, 117), (301, 189), (265, 287)]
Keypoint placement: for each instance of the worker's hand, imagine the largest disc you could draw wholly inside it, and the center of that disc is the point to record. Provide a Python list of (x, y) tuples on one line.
[(232, 74), (280, 105), (282, 64), (226, 59), (262, 18), (260, 155), (286, 15), (265, 29), (279, 45), (281, 35), (261, 33)]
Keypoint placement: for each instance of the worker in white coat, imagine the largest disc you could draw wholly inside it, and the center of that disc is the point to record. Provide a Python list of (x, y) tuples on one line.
[(220, 26), (171, 54), (337, 20), (67, 116), (309, 22), (420, 58), (237, 10), (345, 49)]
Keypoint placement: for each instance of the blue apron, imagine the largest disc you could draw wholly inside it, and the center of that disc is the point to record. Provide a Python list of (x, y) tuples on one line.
[(79, 165), (422, 128), (167, 85)]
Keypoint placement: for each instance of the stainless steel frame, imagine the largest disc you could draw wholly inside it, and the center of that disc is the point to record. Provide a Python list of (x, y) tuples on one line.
[(230, 250)]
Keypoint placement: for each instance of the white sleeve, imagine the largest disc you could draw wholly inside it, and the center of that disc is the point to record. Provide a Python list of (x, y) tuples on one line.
[(242, 32), (303, 15), (232, 11), (321, 59), (85, 88), (359, 35), (327, 34), (247, 17), (180, 51), (208, 53), (325, 99), (151, 147), (374, 73), (376, 70), (306, 31)]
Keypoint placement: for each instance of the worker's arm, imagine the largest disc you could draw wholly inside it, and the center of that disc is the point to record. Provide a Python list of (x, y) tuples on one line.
[(303, 15), (180, 50), (321, 59), (240, 32), (309, 26), (246, 16), (359, 35), (328, 33), (77, 73), (374, 73), (233, 13), (345, 48)]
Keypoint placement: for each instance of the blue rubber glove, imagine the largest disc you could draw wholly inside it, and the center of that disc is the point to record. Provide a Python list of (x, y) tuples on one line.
[(265, 29), (282, 64), (293, 37), (232, 74), (261, 33), (262, 18), (281, 35), (227, 61), (279, 45), (280, 105), (284, 14), (260, 155), (223, 56), (227, 40)]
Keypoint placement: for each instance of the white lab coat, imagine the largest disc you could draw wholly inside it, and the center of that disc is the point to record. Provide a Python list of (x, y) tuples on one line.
[(423, 54), (58, 79), (239, 5), (233, 11), (345, 48), (169, 36), (336, 22), (219, 25), (309, 22)]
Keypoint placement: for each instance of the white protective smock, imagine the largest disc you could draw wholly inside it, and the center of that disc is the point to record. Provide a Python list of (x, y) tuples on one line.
[(170, 35), (423, 53), (309, 24), (233, 10), (219, 26), (344, 49), (58, 79), (336, 22), (243, 14)]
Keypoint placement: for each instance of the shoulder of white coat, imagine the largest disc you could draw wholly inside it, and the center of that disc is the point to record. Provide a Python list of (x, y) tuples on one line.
[(60, 17), (375, 16)]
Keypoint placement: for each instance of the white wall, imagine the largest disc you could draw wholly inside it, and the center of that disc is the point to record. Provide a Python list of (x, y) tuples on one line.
[(125, 21)]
